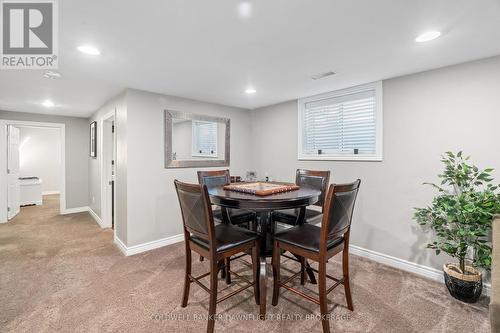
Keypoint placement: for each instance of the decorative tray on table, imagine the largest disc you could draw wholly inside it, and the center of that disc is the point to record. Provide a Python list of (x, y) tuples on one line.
[(261, 188)]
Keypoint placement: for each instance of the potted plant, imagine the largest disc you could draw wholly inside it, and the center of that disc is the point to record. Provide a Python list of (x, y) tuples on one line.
[(460, 216)]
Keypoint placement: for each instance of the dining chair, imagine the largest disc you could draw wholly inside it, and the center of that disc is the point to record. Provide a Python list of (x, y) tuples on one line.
[(216, 243), (309, 178), (284, 219), (320, 244), (234, 216)]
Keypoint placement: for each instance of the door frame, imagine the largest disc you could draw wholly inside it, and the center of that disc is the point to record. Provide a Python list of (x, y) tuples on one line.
[(3, 161), (104, 156)]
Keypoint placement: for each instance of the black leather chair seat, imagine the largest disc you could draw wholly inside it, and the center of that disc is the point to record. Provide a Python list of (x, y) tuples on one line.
[(306, 236), (237, 216), (228, 237), (289, 216)]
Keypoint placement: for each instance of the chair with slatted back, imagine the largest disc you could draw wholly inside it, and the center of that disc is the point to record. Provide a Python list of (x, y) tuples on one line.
[(306, 178), (216, 243), (320, 244)]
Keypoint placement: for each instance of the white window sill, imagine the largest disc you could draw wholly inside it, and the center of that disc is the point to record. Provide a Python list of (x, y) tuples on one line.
[(206, 156), (370, 158)]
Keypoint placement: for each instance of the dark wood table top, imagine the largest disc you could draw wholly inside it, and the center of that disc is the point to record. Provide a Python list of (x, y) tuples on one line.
[(302, 197)]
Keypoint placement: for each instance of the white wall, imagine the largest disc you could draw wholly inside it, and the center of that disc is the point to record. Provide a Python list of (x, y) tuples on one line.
[(40, 156), (426, 114), (76, 151)]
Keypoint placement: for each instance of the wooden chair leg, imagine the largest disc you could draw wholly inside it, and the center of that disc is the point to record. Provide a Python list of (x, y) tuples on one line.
[(255, 267), (322, 296), (276, 272), (345, 271), (213, 296), (302, 271), (187, 280), (227, 268)]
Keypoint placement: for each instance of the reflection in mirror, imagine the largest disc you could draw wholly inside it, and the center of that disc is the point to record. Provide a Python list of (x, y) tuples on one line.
[(195, 141)]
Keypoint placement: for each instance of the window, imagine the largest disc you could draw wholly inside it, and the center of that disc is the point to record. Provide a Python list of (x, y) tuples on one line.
[(342, 125), (204, 139)]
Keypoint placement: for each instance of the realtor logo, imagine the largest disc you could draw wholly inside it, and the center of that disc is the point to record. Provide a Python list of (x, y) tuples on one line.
[(29, 34)]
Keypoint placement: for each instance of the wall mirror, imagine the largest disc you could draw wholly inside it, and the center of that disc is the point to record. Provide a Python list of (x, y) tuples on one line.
[(193, 140)]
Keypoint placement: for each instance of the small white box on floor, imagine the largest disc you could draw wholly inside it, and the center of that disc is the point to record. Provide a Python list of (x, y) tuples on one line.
[(31, 191)]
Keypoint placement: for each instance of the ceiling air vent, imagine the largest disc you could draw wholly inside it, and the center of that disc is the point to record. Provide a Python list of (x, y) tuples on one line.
[(322, 75)]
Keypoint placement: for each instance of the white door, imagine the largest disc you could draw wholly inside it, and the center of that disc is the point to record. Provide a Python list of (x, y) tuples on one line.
[(13, 193)]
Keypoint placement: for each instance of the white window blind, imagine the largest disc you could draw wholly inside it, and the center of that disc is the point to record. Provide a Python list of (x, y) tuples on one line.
[(342, 124), (204, 139)]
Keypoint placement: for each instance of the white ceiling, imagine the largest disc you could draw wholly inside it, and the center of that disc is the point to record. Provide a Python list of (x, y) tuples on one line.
[(205, 50)]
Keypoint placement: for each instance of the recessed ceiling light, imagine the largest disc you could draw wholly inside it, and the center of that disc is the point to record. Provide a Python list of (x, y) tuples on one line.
[(52, 75), (250, 91), (48, 103), (427, 36), (245, 9), (88, 49)]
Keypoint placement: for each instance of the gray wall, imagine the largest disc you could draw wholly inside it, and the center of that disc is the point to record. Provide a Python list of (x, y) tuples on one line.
[(146, 203), (77, 153), (426, 114), (153, 209), (40, 156)]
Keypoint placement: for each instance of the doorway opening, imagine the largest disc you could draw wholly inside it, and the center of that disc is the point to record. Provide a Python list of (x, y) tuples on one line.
[(108, 170), (32, 156)]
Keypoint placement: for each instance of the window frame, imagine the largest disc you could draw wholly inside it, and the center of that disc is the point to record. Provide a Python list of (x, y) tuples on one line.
[(378, 156), (194, 139)]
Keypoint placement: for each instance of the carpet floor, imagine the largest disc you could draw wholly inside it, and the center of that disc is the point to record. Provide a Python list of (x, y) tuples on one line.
[(63, 273)]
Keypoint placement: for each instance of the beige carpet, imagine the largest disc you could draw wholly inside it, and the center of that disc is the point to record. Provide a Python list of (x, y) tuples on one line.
[(63, 273)]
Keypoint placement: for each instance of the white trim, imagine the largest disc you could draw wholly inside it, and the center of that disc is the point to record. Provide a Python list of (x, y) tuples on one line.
[(50, 192), (3, 161), (404, 265), (96, 217), (425, 271), (36, 203), (378, 156), (75, 210), (135, 249), (122, 247), (84, 209)]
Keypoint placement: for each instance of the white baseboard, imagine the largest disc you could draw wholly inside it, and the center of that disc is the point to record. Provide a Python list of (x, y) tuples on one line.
[(122, 247), (50, 192), (135, 249), (84, 209), (31, 203), (96, 217), (422, 270), (408, 266), (75, 210)]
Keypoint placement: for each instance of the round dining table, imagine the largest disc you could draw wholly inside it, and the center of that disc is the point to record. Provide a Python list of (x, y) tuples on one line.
[(264, 206)]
